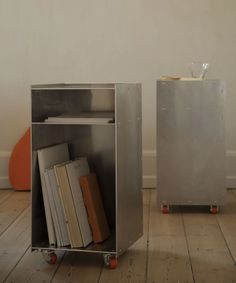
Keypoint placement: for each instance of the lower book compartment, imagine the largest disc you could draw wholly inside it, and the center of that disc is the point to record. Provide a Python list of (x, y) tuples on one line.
[(108, 246), (55, 189)]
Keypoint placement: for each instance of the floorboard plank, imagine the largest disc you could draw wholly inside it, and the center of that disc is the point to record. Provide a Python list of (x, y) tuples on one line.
[(79, 267), (34, 268), (14, 243), (168, 259), (210, 257), (12, 208), (227, 221), (132, 264), (5, 194), (230, 204)]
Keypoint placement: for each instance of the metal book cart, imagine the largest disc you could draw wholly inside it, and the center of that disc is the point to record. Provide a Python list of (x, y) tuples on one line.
[(190, 143), (113, 151)]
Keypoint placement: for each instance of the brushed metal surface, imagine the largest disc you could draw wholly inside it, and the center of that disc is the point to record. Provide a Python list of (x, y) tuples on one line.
[(190, 142), (74, 86), (114, 152), (129, 214)]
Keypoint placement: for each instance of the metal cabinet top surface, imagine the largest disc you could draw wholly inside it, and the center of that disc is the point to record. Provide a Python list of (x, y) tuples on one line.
[(77, 86)]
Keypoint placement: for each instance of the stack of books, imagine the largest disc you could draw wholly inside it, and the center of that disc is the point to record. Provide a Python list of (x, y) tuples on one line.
[(73, 205)]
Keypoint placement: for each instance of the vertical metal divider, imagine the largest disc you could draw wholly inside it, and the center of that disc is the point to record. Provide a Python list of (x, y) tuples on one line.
[(116, 186)]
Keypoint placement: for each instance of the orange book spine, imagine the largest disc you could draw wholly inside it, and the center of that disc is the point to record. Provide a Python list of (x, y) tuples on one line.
[(94, 206)]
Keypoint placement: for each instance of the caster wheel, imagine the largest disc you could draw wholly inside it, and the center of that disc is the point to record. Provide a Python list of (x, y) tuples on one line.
[(53, 258), (214, 209), (165, 209), (50, 258), (110, 261), (113, 263)]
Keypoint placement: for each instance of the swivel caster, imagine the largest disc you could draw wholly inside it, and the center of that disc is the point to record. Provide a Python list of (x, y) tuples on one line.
[(50, 257), (165, 209), (214, 209), (110, 261)]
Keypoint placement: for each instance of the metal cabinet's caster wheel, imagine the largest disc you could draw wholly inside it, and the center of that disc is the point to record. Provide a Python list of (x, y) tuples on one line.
[(110, 261), (113, 263), (53, 258), (50, 258), (165, 209), (214, 209)]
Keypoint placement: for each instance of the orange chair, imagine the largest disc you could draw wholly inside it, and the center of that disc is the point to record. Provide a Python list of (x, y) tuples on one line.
[(19, 164)]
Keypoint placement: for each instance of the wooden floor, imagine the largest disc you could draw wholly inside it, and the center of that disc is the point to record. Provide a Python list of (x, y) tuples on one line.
[(188, 245)]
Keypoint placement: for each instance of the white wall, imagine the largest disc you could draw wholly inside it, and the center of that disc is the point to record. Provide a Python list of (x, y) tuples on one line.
[(109, 40)]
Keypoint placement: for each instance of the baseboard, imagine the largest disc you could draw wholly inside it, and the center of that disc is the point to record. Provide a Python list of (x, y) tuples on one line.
[(230, 182), (149, 169), (231, 168), (149, 182), (4, 160), (4, 183)]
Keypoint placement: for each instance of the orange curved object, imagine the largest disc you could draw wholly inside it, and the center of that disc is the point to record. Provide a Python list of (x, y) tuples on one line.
[(19, 164)]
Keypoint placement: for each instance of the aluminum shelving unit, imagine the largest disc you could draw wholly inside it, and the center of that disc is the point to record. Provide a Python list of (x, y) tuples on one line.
[(113, 151), (190, 143)]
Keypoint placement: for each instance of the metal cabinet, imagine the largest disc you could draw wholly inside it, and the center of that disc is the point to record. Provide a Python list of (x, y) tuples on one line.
[(190, 143), (113, 151)]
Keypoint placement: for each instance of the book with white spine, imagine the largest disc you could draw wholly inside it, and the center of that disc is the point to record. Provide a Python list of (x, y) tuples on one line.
[(48, 157), (58, 215), (73, 227), (76, 169), (52, 209)]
